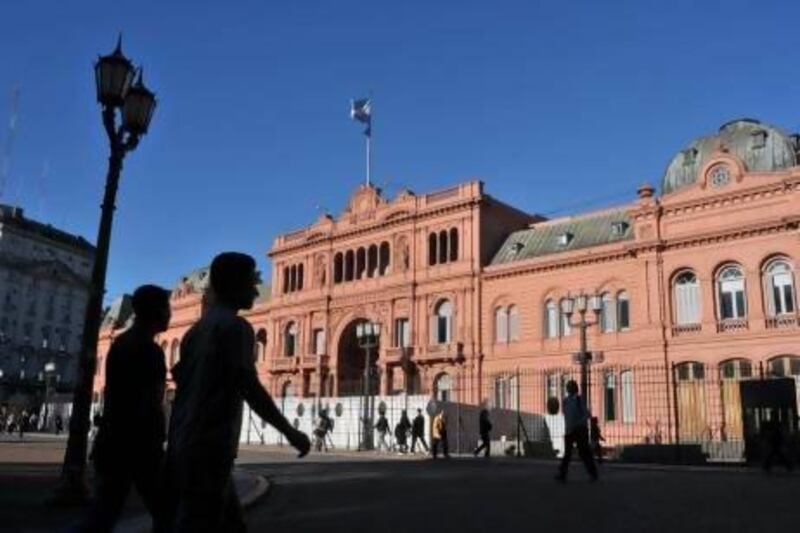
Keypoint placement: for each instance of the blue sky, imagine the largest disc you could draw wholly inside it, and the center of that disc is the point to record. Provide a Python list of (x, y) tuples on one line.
[(559, 106)]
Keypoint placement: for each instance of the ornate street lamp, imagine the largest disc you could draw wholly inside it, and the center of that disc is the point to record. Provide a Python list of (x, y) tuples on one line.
[(369, 336), (127, 108), (582, 304)]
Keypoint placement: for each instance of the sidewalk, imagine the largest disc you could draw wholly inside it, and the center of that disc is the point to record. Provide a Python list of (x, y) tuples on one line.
[(30, 469)]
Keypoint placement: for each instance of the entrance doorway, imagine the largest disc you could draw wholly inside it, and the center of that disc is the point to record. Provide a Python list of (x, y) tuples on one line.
[(350, 364)]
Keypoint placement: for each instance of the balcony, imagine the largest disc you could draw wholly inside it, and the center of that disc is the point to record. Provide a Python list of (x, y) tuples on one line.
[(781, 322), (395, 354), (686, 329), (284, 364), (732, 325), (443, 352)]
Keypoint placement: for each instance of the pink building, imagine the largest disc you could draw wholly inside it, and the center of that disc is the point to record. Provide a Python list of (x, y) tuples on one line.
[(696, 285)]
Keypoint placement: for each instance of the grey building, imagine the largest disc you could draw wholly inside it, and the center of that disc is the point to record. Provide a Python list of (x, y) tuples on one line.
[(44, 288)]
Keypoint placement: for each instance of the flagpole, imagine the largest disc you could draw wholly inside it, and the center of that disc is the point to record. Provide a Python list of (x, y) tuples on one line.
[(369, 157)]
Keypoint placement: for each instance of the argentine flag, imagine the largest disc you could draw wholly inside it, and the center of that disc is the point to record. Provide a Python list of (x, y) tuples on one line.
[(361, 110)]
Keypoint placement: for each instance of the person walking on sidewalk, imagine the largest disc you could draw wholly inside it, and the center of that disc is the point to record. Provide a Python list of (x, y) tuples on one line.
[(215, 375), (576, 432), (439, 435), (401, 432), (484, 429), (128, 449), (418, 432), (383, 429)]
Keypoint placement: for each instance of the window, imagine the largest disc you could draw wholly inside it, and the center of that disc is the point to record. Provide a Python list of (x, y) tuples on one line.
[(513, 323), (453, 244), (372, 261), (501, 400), (628, 404), (432, 254), (384, 256), (731, 293), (338, 274), (691, 371), (551, 319), (348, 265), (610, 397), (566, 327), (261, 345), (784, 366), (290, 339), (779, 288), (442, 247), (361, 262), (608, 319), (736, 369), (443, 385), (319, 341), (555, 385), (402, 333), (442, 323), (623, 311), (565, 238), (686, 298), (500, 325)]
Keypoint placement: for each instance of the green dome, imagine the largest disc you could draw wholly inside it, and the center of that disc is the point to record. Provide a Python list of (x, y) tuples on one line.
[(760, 146)]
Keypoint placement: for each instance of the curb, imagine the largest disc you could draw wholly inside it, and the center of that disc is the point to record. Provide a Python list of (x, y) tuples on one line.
[(259, 487)]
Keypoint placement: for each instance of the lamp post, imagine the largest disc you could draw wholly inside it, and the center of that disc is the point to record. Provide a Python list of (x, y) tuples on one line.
[(49, 372), (568, 306), (127, 108), (369, 336)]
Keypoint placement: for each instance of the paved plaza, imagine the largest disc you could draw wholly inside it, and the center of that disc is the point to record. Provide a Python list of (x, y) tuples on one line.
[(364, 492)]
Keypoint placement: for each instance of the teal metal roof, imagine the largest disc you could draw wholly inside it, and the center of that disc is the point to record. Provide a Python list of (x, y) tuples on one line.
[(564, 235)]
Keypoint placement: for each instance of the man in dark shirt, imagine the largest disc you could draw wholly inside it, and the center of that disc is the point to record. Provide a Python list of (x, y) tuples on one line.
[(215, 375), (129, 447)]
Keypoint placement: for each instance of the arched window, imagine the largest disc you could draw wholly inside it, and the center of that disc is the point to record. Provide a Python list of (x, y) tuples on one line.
[(338, 273), (608, 315), (361, 262), (628, 397), (300, 277), (623, 311), (372, 261), (286, 279), (443, 246), (566, 327), (551, 319), (432, 255), (453, 244), (384, 256), (610, 396), (686, 298), (293, 278), (779, 288), (348, 265), (290, 339), (175, 353), (513, 323), (261, 345), (731, 295), (442, 323), (736, 369), (443, 387), (784, 366), (500, 325)]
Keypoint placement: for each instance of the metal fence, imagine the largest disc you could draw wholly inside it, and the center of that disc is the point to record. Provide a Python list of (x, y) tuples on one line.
[(642, 411)]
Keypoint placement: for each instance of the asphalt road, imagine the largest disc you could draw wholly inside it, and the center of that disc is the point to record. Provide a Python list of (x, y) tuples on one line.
[(353, 494)]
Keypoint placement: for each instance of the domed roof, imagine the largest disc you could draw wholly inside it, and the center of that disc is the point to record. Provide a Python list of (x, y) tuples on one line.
[(760, 146)]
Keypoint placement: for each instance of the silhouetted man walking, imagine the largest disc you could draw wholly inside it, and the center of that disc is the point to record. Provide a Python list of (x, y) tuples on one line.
[(576, 432), (215, 374), (418, 432), (129, 446), (484, 429)]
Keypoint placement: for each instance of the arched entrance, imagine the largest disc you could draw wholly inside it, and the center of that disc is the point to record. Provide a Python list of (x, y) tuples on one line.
[(350, 363)]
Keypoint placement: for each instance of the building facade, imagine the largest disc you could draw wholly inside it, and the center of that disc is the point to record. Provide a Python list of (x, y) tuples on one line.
[(44, 286), (470, 293)]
